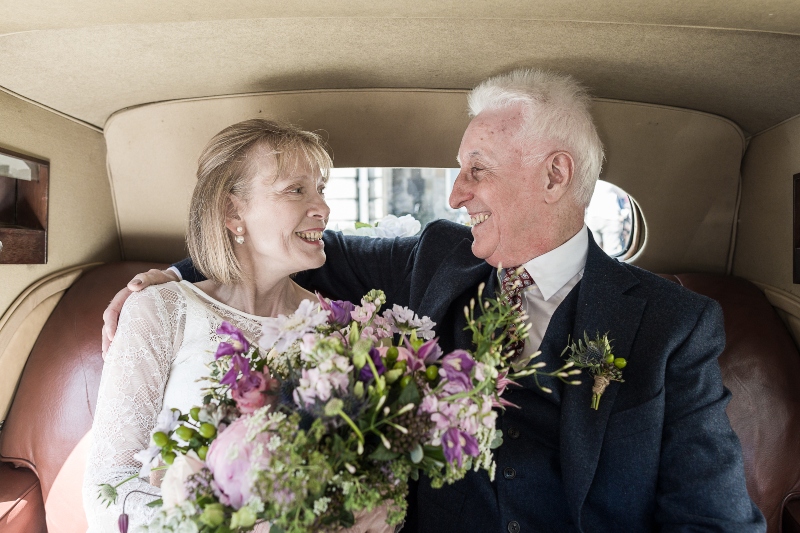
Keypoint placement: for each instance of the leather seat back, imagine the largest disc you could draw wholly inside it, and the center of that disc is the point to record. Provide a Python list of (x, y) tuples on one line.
[(761, 367), (54, 404), (46, 429)]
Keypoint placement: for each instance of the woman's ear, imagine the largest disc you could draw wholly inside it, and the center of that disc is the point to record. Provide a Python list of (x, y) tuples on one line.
[(233, 221), (560, 170)]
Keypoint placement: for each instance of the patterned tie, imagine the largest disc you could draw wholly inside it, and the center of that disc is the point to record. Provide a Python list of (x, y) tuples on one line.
[(515, 280)]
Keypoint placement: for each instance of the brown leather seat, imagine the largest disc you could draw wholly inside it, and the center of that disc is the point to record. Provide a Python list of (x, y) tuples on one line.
[(52, 411)]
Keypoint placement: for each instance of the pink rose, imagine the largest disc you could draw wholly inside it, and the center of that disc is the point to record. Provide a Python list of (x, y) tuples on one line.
[(253, 391), (230, 457)]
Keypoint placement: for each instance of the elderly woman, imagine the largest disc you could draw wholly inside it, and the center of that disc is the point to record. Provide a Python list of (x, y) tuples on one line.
[(256, 217)]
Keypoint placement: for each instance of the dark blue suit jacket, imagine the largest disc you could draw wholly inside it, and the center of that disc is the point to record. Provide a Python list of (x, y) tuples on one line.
[(658, 454)]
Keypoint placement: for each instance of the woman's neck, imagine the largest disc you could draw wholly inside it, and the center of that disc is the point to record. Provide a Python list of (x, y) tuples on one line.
[(259, 297)]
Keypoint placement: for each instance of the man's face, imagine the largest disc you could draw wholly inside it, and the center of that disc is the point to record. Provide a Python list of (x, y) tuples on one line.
[(504, 197)]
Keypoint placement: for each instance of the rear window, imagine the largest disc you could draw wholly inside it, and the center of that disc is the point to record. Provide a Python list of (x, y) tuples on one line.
[(365, 195)]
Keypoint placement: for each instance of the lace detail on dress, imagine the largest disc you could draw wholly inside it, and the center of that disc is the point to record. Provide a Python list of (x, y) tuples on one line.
[(166, 335)]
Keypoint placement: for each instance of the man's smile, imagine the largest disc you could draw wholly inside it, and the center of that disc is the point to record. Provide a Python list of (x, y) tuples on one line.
[(478, 218)]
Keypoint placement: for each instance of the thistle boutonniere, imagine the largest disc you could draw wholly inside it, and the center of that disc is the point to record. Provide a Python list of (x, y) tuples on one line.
[(596, 355)]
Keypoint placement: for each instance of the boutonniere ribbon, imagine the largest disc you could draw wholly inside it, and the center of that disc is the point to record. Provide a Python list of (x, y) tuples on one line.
[(597, 356)]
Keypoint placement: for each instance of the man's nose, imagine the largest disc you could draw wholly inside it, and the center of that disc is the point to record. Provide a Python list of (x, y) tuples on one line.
[(460, 193)]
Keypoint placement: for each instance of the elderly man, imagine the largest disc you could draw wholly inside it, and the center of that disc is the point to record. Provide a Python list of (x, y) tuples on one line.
[(659, 452)]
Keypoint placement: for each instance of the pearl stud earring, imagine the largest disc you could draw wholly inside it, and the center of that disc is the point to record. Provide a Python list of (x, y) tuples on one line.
[(239, 238)]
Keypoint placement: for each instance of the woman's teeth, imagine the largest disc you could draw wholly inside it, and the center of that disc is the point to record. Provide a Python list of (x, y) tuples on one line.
[(309, 235), (477, 219)]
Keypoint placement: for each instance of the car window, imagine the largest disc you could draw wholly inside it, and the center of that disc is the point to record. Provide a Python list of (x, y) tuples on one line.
[(368, 194)]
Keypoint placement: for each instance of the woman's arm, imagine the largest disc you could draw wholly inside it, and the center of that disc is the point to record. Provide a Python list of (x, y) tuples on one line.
[(129, 401)]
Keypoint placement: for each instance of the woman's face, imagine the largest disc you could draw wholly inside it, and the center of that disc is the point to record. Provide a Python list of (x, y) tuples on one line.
[(283, 219)]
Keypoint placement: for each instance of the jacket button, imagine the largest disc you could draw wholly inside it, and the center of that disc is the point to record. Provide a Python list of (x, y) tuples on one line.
[(513, 527), (513, 432), (510, 473)]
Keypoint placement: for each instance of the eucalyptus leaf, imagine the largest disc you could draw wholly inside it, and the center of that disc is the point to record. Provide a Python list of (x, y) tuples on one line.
[(381, 453), (410, 394), (360, 225), (417, 454)]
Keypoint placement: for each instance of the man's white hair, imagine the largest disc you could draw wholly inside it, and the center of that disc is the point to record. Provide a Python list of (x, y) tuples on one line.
[(556, 117)]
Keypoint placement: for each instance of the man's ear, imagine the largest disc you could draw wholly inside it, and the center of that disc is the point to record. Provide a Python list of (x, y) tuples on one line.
[(560, 170)]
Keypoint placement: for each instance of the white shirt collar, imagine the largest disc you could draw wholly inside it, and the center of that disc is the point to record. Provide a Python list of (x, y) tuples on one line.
[(551, 271)]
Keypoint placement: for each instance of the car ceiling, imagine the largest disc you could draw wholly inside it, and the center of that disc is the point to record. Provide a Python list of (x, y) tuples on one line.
[(90, 58)]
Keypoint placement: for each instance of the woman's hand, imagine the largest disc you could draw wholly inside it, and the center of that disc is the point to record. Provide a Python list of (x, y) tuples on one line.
[(370, 522), (139, 282)]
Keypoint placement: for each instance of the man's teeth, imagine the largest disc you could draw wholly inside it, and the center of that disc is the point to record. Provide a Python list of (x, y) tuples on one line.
[(309, 235), (477, 219)]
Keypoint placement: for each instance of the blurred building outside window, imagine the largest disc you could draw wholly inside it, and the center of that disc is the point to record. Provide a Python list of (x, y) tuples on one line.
[(369, 194)]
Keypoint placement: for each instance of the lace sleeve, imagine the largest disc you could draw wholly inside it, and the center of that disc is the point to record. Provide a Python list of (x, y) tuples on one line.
[(131, 394)]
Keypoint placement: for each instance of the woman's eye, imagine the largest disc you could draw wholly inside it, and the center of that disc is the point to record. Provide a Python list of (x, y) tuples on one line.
[(296, 190), (321, 191)]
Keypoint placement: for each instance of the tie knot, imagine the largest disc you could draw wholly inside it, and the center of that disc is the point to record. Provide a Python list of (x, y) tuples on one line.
[(515, 280)]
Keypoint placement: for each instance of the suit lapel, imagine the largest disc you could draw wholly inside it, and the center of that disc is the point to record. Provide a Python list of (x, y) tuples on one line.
[(602, 308), (450, 280)]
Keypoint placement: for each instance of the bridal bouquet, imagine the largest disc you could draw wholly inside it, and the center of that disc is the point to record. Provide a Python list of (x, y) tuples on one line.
[(331, 414)]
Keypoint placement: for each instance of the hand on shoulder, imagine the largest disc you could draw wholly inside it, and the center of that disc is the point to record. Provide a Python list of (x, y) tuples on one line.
[(139, 282)]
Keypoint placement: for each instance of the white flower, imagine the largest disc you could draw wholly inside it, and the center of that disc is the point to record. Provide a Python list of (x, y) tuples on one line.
[(173, 487), (319, 383), (425, 329), (167, 421), (146, 457), (365, 231), (283, 331), (390, 226)]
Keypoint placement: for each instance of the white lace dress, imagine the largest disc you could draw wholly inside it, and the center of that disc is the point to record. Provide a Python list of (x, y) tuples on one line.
[(165, 337)]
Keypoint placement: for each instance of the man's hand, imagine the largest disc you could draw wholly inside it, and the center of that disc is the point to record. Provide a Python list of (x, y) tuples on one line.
[(139, 282)]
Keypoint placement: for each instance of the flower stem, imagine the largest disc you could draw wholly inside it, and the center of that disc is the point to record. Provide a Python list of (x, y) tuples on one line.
[(352, 425), (126, 480)]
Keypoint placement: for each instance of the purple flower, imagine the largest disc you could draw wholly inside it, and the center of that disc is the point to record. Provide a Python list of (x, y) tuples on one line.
[(238, 364), (455, 443), (417, 360), (122, 523), (236, 344), (338, 310), (457, 368), (502, 383), (366, 371)]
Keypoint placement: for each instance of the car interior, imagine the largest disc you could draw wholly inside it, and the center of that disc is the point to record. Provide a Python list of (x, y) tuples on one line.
[(105, 107)]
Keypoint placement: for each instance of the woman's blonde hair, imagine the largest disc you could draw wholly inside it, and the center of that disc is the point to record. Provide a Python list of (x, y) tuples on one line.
[(226, 167)]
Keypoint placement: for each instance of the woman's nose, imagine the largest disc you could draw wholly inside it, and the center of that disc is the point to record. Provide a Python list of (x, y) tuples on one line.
[(319, 208)]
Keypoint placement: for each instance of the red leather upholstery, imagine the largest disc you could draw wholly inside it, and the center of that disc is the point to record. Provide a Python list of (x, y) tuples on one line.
[(21, 505), (53, 408), (761, 367), (54, 404)]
